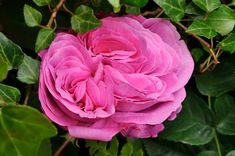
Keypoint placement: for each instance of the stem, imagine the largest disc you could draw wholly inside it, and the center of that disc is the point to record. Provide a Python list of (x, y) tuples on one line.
[(209, 102), (160, 13), (54, 13), (201, 41), (60, 149), (215, 134), (217, 143), (67, 10), (27, 96)]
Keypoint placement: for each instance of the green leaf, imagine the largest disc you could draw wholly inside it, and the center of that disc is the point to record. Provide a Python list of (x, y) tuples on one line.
[(220, 80), (222, 20), (228, 44), (138, 3), (22, 129), (201, 28), (116, 5), (127, 150), (192, 9), (44, 39), (9, 95), (232, 3), (3, 69), (32, 17), (45, 148), (207, 5), (154, 148), (133, 10), (84, 20), (113, 147), (42, 2), (225, 108), (232, 153), (208, 153), (192, 124), (173, 8), (29, 70), (197, 53), (10, 53)]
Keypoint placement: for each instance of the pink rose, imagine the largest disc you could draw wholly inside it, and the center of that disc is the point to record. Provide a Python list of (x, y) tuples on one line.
[(127, 76)]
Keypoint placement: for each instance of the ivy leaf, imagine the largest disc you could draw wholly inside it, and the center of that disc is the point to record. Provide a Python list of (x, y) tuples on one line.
[(207, 5), (175, 9), (201, 28), (44, 39), (154, 148), (116, 5), (32, 17), (222, 20), (9, 95), (192, 124), (3, 70), (220, 80), (207, 153), (197, 53), (225, 108), (29, 70), (42, 2), (192, 9), (138, 3), (232, 153), (10, 53), (45, 148), (22, 129), (84, 20), (133, 10), (127, 150), (228, 44), (113, 147)]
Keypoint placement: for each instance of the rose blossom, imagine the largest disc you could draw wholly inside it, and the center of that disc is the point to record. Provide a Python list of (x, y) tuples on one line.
[(126, 76)]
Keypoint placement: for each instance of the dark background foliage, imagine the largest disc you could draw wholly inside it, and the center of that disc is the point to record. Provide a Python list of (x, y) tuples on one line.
[(204, 127)]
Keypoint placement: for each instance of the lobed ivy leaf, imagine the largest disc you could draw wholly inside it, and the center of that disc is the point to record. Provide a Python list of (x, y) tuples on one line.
[(116, 5), (22, 129), (192, 9), (207, 5), (175, 9), (201, 28), (138, 3), (29, 70), (222, 20), (44, 38), (228, 44), (42, 2), (84, 20), (32, 17), (9, 95), (192, 126), (10, 53), (225, 108), (218, 81)]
